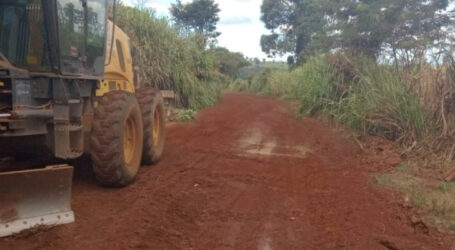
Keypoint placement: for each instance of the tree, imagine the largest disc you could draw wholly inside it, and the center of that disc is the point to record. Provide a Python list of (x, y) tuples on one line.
[(293, 24), (291, 61), (369, 26), (230, 62), (303, 27), (199, 15)]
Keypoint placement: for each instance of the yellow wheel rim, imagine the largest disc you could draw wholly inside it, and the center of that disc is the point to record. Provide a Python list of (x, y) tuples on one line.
[(129, 139), (156, 127)]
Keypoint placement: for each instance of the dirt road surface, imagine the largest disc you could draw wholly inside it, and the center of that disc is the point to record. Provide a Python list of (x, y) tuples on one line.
[(245, 175)]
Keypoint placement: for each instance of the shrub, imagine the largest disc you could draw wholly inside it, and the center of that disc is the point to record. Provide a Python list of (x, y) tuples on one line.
[(185, 115)]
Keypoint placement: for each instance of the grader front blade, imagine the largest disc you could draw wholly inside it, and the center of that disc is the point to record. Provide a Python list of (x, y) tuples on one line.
[(31, 198)]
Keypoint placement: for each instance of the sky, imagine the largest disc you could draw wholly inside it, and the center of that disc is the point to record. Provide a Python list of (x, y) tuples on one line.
[(240, 25)]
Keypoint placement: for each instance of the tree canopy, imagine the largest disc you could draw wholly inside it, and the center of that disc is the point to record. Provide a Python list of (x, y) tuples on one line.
[(302, 27), (199, 15), (229, 62)]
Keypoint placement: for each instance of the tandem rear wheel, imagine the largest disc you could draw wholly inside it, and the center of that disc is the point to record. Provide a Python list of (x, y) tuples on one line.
[(128, 129)]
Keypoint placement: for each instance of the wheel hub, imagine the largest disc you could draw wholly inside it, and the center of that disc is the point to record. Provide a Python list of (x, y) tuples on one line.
[(156, 127), (129, 139)]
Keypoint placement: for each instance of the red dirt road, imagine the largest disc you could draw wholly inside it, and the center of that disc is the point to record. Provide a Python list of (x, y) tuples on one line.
[(245, 175)]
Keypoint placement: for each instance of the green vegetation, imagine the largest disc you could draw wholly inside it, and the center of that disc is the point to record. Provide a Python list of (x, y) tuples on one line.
[(239, 85), (199, 16), (167, 60), (257, 67), (229, 62), (308, 27), (436, 196), (185, 115), (357, 92)]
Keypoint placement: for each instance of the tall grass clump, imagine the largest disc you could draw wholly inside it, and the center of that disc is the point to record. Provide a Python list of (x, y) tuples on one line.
[(355, 91), (317, 89), (166, 59), (273, 82), (377, 100)]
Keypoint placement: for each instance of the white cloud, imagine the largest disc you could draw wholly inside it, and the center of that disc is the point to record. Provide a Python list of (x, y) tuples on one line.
[(241, 37), (240, 24)]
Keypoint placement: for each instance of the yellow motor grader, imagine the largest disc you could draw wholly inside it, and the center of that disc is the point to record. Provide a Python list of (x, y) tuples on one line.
[(67, 88)]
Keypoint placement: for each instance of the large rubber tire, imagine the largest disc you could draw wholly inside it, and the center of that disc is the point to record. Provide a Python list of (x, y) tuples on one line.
[(152, 108), (116, 139)]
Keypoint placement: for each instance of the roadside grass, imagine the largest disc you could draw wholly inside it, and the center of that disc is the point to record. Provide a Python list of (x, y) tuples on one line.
[(248, 71), (357, 92), (238, 85), (419, 177), (432, 194), (185, 115)]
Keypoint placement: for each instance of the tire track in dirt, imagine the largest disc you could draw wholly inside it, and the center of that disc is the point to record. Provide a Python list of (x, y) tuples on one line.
[(244, 175)]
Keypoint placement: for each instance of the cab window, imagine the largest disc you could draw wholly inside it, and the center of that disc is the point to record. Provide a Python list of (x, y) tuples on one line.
[(23, 34), (82, 34), (121, 56), (71, 35), (96, 35)]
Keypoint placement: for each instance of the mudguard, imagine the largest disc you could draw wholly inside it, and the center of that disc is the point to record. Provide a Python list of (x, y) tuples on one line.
[(31, 198)]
